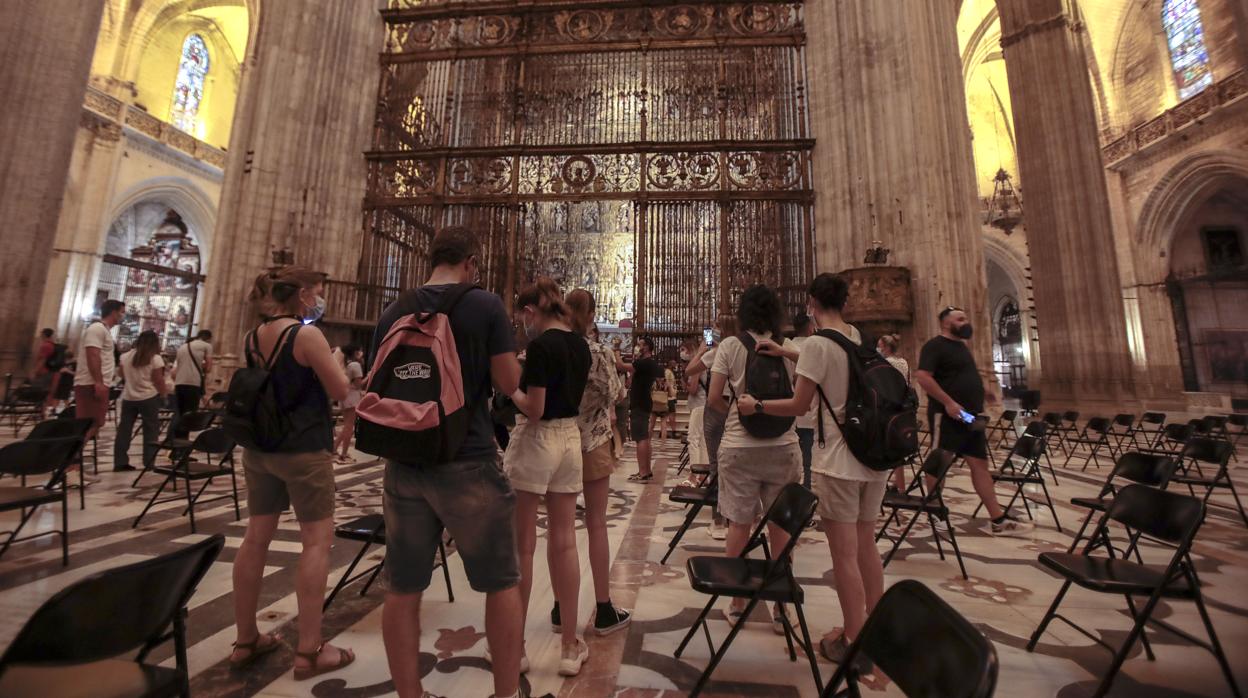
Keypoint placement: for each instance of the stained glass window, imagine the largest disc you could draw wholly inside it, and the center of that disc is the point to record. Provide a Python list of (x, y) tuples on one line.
[(188, 89), (1186, 39)]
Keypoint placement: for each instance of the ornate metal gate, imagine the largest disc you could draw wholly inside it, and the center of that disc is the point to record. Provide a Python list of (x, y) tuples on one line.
[(656, 154)]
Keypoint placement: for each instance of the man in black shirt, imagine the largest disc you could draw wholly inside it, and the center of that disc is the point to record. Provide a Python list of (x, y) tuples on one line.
[(645, 372), (948, 375), (470, 496)]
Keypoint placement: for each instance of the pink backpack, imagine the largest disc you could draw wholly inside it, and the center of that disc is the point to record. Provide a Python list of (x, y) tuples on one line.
[(413, 408)]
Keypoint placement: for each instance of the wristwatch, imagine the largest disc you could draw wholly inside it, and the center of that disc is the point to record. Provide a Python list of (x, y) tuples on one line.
[(758, 406)]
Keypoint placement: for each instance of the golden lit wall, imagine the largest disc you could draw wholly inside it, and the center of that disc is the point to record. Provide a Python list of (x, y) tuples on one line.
[(225, 32)]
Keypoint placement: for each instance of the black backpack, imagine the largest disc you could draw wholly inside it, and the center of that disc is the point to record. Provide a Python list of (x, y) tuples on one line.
[(253, 416), (56, 360), (766, 378), (881, 426)]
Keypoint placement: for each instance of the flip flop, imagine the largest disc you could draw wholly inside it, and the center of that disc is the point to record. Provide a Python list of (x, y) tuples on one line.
[(255, 650), (640, 478), (303, 673)]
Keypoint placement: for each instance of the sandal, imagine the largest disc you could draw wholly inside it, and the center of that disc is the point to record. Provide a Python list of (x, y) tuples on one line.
[(303, 673), (255, 650), (638, 477)]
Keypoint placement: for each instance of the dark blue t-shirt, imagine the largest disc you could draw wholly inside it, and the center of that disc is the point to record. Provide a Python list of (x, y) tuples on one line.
[(482, 330)]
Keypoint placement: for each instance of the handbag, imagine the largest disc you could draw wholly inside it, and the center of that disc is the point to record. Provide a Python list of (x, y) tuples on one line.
[(659, 400)]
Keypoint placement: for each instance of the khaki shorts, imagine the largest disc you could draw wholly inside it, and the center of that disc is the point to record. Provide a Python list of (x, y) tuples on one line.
[(276, 481), (545, 456), (598, 463), (847, 501), (750, 479)]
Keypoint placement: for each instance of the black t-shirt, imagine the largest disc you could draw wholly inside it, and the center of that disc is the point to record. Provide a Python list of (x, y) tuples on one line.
[(645, 373), (953, 366), (482, 330), (558, 361)]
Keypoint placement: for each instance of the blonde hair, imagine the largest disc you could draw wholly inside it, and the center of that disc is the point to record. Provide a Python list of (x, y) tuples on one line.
[(581, 304), (546, 296), (276, 292), (892, 341)]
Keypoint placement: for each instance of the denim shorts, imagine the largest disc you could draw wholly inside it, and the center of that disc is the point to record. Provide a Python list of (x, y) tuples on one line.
[(473, 501)]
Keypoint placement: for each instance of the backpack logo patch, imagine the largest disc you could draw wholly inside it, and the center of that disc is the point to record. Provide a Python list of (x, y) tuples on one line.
[(413, 371)]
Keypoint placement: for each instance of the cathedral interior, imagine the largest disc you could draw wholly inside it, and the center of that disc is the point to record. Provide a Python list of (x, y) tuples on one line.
[(1072, 173)]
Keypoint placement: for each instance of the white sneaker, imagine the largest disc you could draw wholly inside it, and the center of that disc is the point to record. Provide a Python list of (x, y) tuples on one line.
[(524, 660), (717, 531), (572, 661), (776, 624), (1010, 527), (941, 525)]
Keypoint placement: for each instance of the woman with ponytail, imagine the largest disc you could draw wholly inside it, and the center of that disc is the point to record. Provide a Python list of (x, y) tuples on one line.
[(298, 472), (887, 346), (144, 372), (543, 458)]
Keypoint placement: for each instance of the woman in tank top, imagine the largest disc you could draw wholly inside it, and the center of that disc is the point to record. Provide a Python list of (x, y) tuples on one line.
[(298, 472)]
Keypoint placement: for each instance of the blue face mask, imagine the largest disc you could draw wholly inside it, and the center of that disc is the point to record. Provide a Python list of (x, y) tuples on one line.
[(316, 312)]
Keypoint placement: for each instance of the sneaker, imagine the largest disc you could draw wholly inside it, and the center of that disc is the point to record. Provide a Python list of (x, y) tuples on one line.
[(573, 659), (1010, 527), (524, 660), (835, 650), (941, 525), (717, 531), (555, 625), (777, 625), (605, 624)]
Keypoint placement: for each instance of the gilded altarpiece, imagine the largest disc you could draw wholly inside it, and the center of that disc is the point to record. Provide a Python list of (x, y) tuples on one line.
[(657, 154)]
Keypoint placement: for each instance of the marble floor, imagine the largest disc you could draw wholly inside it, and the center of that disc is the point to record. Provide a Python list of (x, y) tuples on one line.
[(1005, 597)]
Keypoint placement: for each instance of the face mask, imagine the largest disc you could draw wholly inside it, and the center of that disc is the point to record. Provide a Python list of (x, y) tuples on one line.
[(964, 331), (316, 312)]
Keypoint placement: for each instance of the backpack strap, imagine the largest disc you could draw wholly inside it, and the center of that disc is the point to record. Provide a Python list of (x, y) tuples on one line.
[(253, 347), (850, 348)]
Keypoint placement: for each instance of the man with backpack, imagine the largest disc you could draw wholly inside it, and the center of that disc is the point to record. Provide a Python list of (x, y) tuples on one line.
[(758, 454), (849, 492), (463, 488), (194, 361)]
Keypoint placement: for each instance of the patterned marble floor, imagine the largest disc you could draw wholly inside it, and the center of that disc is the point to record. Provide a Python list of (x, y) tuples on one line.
[(1005, 597)]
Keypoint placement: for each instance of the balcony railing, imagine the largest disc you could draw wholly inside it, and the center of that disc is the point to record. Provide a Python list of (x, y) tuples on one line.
[(114, 110), (1213, 98), (348, 303)]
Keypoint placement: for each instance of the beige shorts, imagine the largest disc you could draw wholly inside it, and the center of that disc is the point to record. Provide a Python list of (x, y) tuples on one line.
[(304, 481), (599, 462), (750, 479), (847, 501), (545, 456)]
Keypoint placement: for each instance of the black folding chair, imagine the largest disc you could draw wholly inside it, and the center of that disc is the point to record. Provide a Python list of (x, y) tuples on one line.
[(176, 446), (1002, 428), (218, 450), (1173, 439), (1236, 434), (1093, 438), (1149, 469), (1166, 517), (756, 580), (1029, 403), (1022, 468), (75, 638), (23, 405), (923, 645), (1151, 425), (29, 457), (1213, 452), (926, 501), (1053, 431), (1039, 430), (76, 428), (1122, 431), (683, 460), (70, 414), (694, 498), (370, 530)]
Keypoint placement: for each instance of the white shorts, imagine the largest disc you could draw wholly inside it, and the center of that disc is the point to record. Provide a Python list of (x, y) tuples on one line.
[(545, 456), (697, 443)]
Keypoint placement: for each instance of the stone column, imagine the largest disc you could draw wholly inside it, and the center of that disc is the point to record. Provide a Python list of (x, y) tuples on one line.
[(893, 155), (45, 48), (296, 173), (1078, 294)]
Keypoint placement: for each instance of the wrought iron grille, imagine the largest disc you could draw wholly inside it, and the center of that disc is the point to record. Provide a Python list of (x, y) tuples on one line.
[(656, 154)]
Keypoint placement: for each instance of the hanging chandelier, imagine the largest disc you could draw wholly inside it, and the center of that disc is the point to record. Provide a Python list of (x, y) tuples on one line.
[(1005, 208)]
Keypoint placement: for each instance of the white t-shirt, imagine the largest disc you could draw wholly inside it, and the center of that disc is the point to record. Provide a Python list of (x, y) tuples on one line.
[(825, 363), (187, 373), (139, 383), (354, 372), (96, 335), (806, 421), (730, 362)]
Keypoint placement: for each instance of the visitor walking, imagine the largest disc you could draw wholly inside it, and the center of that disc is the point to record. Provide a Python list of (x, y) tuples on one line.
[(754, 467), (191, 366), (355, 380), (297, 472), (849, 493), (543, 460), (948, 375), (143, 370), (469, 495), (97, 366), (645, 373)]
